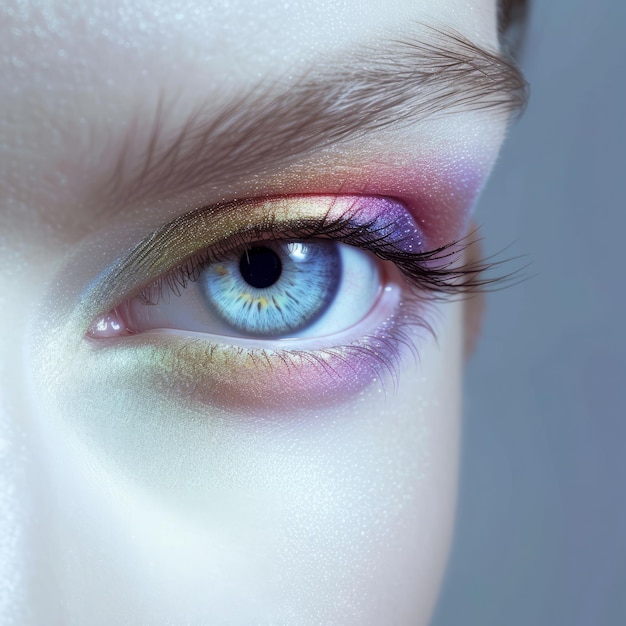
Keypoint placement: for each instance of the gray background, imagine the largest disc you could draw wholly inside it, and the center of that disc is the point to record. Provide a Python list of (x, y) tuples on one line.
[(541, 534)]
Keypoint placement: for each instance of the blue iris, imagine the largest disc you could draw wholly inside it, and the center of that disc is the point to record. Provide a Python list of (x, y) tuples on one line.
[(273, 288)]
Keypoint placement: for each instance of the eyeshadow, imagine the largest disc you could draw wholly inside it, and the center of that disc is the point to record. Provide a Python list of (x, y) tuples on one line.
[(385, 216)]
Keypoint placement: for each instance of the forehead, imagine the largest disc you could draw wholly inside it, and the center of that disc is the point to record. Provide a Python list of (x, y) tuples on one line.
[(237, 40)]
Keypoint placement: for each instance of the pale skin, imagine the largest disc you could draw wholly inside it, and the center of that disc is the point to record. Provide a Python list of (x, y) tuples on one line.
[(122, 505)]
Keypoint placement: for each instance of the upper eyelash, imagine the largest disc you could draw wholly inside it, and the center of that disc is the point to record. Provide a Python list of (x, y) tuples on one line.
[(436, 273)]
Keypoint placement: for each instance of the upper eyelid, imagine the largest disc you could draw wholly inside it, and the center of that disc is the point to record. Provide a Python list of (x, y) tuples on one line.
[(435, 270), (199, 229)]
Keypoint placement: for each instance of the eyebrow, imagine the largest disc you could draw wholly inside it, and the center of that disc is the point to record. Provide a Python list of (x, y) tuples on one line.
[(402, 84)]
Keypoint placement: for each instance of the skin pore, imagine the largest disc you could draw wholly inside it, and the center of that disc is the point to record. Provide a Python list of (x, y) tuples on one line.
[(201, 474)]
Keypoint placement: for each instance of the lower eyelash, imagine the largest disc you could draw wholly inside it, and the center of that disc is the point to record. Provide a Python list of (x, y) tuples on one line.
[(255, 379)]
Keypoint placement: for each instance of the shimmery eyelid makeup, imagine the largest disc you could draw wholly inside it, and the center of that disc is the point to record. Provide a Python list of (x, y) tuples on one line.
[(206, 228)]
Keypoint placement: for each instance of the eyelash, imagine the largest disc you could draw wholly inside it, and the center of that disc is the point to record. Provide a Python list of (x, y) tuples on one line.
[(434, 273)]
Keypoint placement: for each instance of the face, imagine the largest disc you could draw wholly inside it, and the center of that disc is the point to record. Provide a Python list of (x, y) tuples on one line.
[(231, 234)]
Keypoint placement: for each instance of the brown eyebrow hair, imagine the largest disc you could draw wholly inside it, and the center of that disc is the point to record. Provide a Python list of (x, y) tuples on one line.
[(400, 84)]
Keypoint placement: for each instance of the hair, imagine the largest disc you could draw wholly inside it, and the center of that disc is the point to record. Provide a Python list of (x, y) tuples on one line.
[(512, 22)]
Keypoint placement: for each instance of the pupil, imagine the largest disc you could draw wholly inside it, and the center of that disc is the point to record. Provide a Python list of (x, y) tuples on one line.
[(260, 267)]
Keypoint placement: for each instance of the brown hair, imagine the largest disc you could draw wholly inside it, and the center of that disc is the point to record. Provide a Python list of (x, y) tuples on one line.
[(512, 21)]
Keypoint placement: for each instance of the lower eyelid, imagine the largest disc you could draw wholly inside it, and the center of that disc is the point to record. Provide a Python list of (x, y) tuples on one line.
[(288, 374)]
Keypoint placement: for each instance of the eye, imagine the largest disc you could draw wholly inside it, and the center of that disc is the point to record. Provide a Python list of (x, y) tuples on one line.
[(265, 289), (279, 301)]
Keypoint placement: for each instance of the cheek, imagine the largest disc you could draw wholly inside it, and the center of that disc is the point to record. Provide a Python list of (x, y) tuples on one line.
[(151, 512)]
